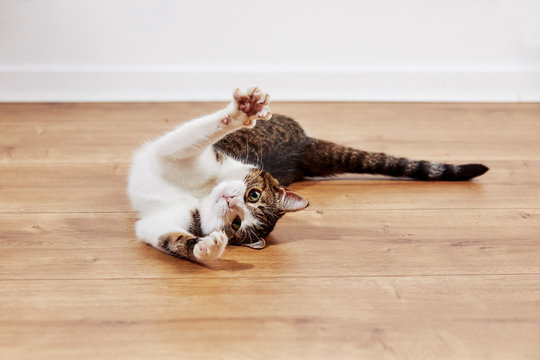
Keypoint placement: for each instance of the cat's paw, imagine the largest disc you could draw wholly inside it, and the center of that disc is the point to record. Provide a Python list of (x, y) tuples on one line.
[(210, 247), (252, 105)]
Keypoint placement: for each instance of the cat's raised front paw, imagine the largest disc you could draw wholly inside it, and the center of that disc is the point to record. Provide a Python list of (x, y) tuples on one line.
[(253, 103), (210, 247)]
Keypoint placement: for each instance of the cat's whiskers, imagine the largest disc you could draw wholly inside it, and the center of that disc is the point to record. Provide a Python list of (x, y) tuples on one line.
[(254, 234), (248, 235), (247, 150), (258, 162), (253, 177), (269, 213)]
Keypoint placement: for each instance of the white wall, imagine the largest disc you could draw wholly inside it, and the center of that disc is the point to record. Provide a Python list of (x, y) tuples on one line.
[(404, 50)]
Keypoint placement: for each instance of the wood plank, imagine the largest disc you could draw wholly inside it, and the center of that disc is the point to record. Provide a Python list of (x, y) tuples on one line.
[(63, 187), (414, 121), (100, 187), (429, 317), (309, 243), (374, 268), (402, 120), (111, 132)]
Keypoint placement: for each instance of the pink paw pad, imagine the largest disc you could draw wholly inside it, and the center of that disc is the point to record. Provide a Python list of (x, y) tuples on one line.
[(226, 120), (251, 102)]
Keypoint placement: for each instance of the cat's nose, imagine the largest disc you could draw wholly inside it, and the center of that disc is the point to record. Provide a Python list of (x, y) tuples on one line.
[(232, 201)]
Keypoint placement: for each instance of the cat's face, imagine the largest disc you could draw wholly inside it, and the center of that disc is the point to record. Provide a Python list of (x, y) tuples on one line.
[(248, 210)]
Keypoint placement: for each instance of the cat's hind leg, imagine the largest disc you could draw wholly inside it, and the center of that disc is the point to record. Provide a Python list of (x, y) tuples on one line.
[(192, 138)]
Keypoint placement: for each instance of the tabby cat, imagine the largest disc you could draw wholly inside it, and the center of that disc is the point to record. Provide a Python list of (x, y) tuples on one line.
[(221, 179)]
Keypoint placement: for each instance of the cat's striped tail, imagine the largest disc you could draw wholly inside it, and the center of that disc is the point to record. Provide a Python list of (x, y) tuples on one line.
[(324, 158)]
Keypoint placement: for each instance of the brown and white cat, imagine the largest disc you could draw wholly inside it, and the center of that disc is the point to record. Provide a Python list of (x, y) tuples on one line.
[(220, 179)]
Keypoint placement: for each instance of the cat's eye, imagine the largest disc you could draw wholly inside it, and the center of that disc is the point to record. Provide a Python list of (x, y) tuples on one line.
[(254, 195), (237, 222)]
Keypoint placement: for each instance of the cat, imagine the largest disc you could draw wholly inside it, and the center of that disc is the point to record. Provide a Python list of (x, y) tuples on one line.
[(221, 179)]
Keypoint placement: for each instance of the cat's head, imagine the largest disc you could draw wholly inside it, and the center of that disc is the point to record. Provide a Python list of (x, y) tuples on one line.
[(248, 210)]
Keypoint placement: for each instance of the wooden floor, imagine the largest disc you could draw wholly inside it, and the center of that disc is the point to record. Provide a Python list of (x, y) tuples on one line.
[(374, 269)]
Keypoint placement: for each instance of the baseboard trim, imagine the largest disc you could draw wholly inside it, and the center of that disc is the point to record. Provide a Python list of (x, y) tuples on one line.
[(66, 83)]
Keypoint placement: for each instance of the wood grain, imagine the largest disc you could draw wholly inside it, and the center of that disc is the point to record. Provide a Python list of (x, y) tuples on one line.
[(110, 132), (376, 243), (375, 268), (432, 317)]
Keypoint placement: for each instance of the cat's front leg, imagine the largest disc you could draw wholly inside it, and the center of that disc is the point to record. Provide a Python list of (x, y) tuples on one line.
[(200, 249), (194, 137)]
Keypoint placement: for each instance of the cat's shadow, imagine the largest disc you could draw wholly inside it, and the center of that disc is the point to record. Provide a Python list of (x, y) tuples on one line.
[(228, 265), (186, 265)]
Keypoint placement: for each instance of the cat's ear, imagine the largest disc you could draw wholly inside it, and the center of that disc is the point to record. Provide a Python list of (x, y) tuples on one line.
[(291, 201), (256, 245)]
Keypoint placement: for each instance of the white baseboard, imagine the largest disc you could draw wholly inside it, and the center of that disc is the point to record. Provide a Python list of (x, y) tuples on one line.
[(66, 83)]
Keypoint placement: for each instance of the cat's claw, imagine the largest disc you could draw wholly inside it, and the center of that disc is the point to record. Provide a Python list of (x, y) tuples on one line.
[(253, 102), (265, 113), (210, 247)]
